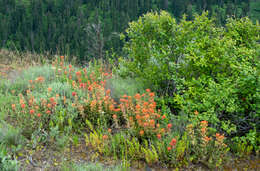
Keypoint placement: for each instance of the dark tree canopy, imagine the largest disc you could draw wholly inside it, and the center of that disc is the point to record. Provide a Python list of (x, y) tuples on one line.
[(74, 27)]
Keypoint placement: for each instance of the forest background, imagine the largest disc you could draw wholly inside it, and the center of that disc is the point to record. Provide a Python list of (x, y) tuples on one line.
[(91, 28)]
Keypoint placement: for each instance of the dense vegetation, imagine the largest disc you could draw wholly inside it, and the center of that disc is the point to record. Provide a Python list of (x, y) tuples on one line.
[(146, 83), (87, 29), (186, 93)]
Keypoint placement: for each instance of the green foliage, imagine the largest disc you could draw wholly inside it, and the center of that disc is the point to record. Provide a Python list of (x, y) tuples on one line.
[(6, 162), (205, 68), (10, 136), (151, 44)]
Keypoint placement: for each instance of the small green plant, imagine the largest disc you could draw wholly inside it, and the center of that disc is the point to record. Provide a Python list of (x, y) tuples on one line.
[(6, 162)]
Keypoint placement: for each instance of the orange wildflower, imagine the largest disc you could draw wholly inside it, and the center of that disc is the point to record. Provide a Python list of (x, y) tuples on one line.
[(159, 136), (40, 79), (49, 89), (206, 139), (105, 137), (203, 130), (13, 106), (173, 142), (152, 122), (49, 105), (52, 99), (219, 137), (138, 117), (204, 123), (137, 96), (31, 111), (151, 94), (141, 132), (117, 110), (78, 73), (108, 91), (114, 116), (109, 130)]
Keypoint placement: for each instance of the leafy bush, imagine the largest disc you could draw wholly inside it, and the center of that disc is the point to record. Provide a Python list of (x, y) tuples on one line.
[(205, 68), (152, 51)]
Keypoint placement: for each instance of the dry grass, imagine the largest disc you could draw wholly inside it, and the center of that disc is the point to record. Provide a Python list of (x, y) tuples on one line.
[(12, 63)]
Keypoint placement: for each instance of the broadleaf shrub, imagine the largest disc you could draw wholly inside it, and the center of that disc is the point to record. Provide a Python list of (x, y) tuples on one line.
[(204, 68)]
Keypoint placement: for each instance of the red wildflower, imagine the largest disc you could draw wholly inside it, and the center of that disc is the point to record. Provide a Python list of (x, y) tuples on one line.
[(159, 136), (105, 137), (169, 125), (173, 142), (52, 99), (137, 96), (74, 93), (31, 111), (78, 73), (151, 94), (39, 115), (23, 105)]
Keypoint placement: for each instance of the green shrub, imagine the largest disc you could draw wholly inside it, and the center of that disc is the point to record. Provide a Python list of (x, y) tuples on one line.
[(205, 68), (152, 51)]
